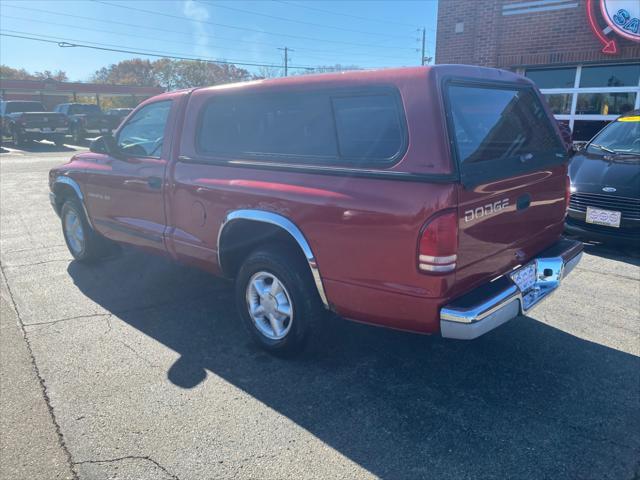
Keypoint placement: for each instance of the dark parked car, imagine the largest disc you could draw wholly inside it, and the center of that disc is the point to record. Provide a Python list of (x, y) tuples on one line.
[(87, 120), (605, 184), (24, 121)]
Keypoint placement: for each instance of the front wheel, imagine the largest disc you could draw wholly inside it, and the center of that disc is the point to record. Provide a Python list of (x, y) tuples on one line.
[(82, 241), (277, 300)]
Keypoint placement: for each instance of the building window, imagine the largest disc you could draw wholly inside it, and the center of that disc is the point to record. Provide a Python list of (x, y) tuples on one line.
[(553, 77), (590, 96), (560, 103), (605, 103), (610, 76)]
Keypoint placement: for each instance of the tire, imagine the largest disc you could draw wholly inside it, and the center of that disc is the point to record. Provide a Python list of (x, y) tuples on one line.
[(17, 138), (297, 295), (76, 135), (83, 242)]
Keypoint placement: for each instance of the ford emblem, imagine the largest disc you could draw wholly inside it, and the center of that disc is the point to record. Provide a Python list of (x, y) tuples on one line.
[(608, 189)]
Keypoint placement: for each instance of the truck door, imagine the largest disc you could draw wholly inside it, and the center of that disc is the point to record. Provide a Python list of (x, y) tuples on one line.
[(125, 197)]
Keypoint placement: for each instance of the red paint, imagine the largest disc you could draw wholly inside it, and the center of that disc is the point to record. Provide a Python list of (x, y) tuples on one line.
[(364, 232), (610, 47)]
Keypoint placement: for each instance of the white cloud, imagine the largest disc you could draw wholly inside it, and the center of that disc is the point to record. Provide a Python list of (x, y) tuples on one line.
[(198, 13)]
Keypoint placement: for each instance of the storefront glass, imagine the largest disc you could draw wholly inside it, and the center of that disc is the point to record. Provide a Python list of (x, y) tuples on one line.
[(589, 96)]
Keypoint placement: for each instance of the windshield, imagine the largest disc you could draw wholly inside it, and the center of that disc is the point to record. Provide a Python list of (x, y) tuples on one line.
[(621, 136), (14, 107), (84, 109)]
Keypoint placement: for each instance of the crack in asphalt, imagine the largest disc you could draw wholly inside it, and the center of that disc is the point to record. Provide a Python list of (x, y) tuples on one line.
[(617, 275), (43, 386), (117, 313), (33, 249), (67, 319), (140, 356), (130, 457), (38, 263)]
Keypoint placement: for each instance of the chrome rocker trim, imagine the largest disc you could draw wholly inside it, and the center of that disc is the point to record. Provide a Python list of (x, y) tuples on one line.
[(289, 227), (499, 301)]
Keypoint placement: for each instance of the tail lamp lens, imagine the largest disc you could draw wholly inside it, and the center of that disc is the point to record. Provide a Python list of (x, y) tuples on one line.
[(438, 247)]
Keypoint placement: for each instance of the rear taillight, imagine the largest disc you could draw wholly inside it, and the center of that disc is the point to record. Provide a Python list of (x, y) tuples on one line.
[(438, 244)]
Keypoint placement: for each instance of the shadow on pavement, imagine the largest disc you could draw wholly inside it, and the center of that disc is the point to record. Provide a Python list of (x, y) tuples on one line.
[(525, 401), (623, 253)]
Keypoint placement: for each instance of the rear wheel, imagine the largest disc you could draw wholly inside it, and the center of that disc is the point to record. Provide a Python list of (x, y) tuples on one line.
[(82, 241), (277, 300), (17, 138), (76, 134)]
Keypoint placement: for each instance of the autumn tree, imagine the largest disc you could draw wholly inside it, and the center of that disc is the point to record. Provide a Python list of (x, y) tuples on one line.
[(136, 71), (9, 73), (170, 74)]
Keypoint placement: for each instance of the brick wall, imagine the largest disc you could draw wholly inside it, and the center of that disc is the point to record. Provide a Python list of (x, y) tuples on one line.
[(533, 38)]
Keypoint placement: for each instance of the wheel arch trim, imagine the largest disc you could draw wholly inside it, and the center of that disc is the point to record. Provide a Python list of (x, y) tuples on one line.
[(263, 216), (64, 180)]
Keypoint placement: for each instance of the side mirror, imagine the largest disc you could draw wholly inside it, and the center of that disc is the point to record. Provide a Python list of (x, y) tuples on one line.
[(105, 144)]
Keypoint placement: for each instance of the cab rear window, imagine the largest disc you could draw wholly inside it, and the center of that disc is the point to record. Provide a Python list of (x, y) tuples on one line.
[(499, 131), (348, 128)]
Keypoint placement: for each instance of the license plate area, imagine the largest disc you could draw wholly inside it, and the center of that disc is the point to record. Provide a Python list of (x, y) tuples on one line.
[(598, 216), (525, 277)]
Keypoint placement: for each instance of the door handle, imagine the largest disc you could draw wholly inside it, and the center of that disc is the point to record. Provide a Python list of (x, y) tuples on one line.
[(523, 201), (154, 182)]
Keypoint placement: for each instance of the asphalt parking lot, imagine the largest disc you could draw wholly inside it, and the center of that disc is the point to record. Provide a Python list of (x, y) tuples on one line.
[(136, 368)]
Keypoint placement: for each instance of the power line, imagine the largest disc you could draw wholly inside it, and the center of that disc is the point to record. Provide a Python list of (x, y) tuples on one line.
[(190, 34), (302, 22), (62, 42), (68, 43), (158, 29), (385, 21), (246, 29)]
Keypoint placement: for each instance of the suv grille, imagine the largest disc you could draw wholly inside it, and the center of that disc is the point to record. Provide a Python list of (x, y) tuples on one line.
[(629, 207)]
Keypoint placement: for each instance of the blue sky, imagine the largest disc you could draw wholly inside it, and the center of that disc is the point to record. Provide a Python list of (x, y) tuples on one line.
[(364, 33)]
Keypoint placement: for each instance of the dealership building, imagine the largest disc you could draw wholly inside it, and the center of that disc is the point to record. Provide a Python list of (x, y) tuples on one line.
[(584, 55)]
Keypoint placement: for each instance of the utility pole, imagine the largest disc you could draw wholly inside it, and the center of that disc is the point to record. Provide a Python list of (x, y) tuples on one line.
[(424, 30), (286, 59)]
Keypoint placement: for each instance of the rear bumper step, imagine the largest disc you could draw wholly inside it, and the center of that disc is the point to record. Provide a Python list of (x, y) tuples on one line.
[(497, 302)]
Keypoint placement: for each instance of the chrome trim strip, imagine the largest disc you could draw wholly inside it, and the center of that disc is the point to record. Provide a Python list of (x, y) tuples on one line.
[(76, 188), (438, 260), (480, 312), (437, 268), (288, 226)]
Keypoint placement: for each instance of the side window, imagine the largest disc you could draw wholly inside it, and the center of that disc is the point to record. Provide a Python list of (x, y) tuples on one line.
[(143, 134), (331, 126), (368, 126), (268, 124)]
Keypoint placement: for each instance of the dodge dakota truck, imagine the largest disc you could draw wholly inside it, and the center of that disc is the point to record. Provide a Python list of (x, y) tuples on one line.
[(426, 199), (24, 121)]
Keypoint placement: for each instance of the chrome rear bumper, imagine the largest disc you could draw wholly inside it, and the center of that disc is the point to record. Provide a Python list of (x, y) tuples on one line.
[(497, 302)]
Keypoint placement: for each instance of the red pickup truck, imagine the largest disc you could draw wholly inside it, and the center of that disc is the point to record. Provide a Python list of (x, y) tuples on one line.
[(428, 199)]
